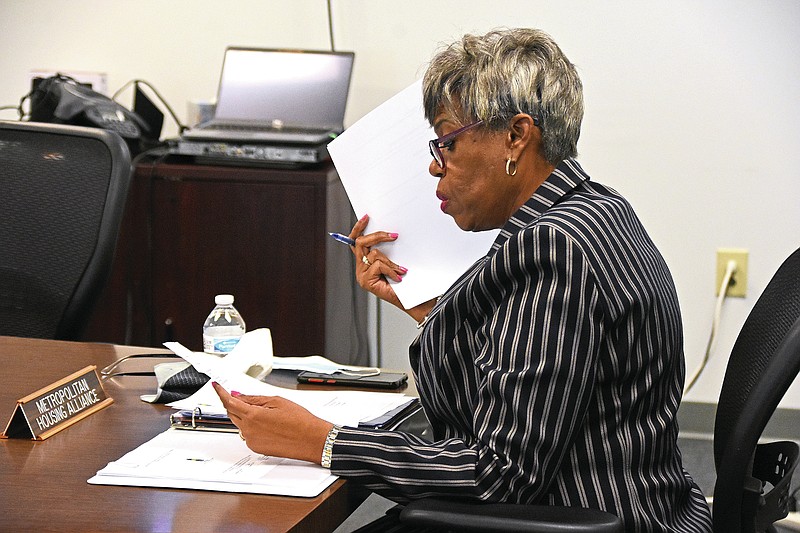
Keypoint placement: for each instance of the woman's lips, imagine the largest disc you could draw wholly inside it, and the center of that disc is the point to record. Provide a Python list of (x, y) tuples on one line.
[(444, 200)]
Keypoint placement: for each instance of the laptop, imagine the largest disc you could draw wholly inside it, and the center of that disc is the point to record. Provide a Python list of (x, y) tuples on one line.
[(278, 96)]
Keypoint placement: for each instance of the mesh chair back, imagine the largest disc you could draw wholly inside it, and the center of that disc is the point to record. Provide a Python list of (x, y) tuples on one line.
[(63, 191), (763, 364), (770, 319)]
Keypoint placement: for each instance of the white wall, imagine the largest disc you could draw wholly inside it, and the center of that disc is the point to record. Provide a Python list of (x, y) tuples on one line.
[(692, 106)]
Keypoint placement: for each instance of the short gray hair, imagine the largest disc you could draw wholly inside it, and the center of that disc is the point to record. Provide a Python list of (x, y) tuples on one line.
[(495, 76)]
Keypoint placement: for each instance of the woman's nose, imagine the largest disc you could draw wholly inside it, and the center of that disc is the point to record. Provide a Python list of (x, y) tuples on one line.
[(435, 170)]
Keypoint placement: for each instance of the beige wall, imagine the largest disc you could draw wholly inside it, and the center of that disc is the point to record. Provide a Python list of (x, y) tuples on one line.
[(692, 106)]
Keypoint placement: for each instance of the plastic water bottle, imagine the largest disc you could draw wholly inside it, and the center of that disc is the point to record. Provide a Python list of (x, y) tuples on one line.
[(224, 326)]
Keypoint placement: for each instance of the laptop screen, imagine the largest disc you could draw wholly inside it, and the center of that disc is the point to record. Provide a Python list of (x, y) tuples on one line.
[(299, 88)]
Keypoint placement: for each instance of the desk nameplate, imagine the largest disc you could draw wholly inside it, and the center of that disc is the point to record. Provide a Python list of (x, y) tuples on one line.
[(55, 407)]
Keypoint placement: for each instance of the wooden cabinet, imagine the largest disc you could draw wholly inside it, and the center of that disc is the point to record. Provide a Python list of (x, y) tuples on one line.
[(193, 231)]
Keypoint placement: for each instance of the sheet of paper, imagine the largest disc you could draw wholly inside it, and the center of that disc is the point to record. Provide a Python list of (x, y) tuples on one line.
[(345, 407), (253, 353), (311, 363), (383, 161), (212, 461)]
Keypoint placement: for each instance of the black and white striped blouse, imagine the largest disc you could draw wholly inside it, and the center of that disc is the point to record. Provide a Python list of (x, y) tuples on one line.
[(551, 372)]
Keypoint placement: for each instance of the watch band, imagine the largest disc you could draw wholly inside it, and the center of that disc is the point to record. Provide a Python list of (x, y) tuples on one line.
[(327, 449)]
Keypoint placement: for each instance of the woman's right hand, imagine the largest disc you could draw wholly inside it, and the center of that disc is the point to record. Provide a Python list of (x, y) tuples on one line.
[(373, 268)]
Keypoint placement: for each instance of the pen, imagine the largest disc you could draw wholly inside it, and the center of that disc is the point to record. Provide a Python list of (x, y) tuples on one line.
[(343, 238)]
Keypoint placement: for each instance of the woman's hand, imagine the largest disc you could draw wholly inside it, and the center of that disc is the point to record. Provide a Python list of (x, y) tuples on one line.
[(271, 425), (373, 267)]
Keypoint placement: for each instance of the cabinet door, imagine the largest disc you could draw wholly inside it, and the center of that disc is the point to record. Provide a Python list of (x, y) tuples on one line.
[(262, 241)]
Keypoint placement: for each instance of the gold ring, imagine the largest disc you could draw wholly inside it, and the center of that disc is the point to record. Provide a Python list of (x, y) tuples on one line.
[(365, 260), (240, 435)]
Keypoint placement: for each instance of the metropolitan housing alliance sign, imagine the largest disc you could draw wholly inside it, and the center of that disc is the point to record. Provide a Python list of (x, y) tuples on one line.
[(57, 406)]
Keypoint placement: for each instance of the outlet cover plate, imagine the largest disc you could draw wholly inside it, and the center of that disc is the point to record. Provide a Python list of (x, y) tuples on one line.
[(738, 286)]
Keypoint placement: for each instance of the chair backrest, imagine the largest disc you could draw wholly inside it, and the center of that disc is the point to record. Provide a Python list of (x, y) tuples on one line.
[(763, 364), (63, 191)]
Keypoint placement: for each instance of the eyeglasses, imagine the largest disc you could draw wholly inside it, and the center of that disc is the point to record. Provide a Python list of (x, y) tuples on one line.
[(445, 141)]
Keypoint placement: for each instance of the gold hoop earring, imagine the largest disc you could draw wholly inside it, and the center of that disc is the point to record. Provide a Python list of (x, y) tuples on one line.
[(509, 162)]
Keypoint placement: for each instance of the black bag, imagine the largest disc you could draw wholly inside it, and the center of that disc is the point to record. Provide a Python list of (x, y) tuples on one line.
[(60, 99)]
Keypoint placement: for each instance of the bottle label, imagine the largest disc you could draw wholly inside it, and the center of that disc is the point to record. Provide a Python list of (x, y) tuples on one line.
[(220, 345)]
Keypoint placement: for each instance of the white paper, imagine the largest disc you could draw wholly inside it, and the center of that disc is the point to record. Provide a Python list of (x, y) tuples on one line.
[(252, 354), (344, 408), (212, 461), (312, 363), (383, 161)]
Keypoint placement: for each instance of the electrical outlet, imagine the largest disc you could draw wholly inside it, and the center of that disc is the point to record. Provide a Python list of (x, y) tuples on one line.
[(738, 284)]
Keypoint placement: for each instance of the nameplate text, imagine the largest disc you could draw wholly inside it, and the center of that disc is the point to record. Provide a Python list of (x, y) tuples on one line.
[(57, 406)]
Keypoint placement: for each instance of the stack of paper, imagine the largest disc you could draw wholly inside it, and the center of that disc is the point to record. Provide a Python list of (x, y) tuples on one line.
[(212, 461)]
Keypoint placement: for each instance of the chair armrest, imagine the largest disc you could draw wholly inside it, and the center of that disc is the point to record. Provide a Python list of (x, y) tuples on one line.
[(507, 517)]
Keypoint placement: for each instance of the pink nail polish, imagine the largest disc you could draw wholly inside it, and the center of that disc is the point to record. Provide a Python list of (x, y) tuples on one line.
[(362, 218), (404, 270), (393, 235), (235, 393)]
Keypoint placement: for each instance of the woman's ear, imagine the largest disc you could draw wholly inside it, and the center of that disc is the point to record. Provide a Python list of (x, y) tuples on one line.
[(521, 131)]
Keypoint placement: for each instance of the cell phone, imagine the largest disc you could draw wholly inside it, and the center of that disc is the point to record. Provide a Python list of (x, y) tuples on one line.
[(384, 380)]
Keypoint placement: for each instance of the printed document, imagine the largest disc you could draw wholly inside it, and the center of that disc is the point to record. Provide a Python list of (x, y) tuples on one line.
[(215, 461), (383, 161)]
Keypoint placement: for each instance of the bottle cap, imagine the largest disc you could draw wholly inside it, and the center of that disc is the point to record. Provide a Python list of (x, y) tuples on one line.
[(223, 299)]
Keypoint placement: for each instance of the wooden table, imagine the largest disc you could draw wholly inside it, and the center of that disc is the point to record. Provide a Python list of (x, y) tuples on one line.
[(43, 484)]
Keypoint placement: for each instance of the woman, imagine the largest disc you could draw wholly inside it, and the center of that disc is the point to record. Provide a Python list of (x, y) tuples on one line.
[(551, 371)]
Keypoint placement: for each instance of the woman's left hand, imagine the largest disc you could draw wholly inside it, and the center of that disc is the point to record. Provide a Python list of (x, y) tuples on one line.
[(271, 425)]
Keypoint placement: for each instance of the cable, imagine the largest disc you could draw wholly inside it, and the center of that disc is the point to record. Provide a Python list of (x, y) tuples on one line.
[(17, 108), (723, 290), (181, 127), (330, 25)]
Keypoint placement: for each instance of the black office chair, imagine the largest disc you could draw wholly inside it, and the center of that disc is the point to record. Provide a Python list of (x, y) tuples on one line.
[(63, 191), (753, 480), (752, 488)]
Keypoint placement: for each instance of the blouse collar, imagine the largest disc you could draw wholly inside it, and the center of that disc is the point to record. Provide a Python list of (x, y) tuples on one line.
[(566, 176)]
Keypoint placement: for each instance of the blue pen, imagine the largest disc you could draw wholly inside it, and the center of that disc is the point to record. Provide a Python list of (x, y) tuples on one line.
[(343, 238)]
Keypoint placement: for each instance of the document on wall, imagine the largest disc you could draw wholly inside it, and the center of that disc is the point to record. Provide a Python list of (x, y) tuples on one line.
[(383, 161), (212, 461), (341, 407)]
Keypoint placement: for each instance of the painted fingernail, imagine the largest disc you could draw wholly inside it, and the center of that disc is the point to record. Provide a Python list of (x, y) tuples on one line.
[(404, 270), (235, 393), (362, 218), (393, 235)]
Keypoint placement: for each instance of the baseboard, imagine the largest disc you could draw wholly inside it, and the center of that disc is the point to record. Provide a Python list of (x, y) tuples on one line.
[(696, 418)]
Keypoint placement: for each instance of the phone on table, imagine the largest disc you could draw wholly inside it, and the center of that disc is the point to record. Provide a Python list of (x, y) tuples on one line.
[(382, 380)]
